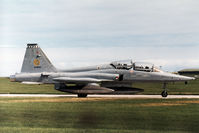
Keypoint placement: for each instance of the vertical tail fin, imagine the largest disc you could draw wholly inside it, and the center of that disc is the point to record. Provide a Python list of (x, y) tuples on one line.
[(36, 61)]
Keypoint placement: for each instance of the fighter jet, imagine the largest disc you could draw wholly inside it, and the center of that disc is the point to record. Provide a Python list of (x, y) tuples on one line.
[(113, 78)]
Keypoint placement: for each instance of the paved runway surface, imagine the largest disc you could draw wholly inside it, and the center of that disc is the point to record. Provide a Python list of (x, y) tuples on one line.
[(102, 96)]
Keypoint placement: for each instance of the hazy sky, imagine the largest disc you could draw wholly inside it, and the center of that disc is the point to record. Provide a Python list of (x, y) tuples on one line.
[(77, 33)]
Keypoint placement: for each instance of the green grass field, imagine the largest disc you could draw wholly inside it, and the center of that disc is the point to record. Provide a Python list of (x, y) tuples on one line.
[(84, 115), (88, 115), (14, 87), (149, 88)]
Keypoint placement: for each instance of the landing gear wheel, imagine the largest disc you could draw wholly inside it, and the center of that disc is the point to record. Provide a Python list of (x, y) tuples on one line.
[(164, 94), (82, 95)]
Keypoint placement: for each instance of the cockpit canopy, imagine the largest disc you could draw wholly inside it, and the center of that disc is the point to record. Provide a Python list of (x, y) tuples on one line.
[(138, 66), (125, 64)]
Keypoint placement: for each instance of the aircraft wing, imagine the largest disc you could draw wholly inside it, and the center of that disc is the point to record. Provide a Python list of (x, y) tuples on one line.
[(79, 80), (88, 78)]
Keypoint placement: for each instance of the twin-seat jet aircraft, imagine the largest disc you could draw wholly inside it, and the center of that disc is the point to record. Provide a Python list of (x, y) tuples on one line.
[(114, 78)]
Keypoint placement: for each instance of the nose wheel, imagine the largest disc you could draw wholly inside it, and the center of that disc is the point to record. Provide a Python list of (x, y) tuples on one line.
[(164, 92)]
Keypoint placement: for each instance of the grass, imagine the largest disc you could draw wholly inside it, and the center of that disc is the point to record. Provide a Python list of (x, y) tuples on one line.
[(88, 115), (149, 88), (178, 88), (14, 87), (69, 115)]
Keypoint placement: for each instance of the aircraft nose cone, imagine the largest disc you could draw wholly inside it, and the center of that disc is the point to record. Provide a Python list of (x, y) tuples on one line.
[(191, 78), (185, 78)]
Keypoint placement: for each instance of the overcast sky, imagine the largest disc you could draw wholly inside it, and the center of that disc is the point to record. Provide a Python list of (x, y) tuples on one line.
[(76, 33)]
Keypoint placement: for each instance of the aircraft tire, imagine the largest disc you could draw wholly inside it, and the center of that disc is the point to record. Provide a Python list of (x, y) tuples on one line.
[(164, 94), (82, 95)]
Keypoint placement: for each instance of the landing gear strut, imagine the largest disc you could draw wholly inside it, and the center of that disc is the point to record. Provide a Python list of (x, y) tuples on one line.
[(82, 95), (164, 92)]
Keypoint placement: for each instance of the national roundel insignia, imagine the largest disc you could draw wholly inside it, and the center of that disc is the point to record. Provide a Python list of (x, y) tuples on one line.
[(36, 62)]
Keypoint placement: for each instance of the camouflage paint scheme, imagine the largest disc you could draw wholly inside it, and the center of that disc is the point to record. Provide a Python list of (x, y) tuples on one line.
[(113, 78)]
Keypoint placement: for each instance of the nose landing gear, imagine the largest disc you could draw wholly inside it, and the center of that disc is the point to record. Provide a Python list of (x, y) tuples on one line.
[(164, 92)]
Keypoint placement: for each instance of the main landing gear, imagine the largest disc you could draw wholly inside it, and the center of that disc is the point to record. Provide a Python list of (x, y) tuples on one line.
[(164, 92), (82, 95)]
